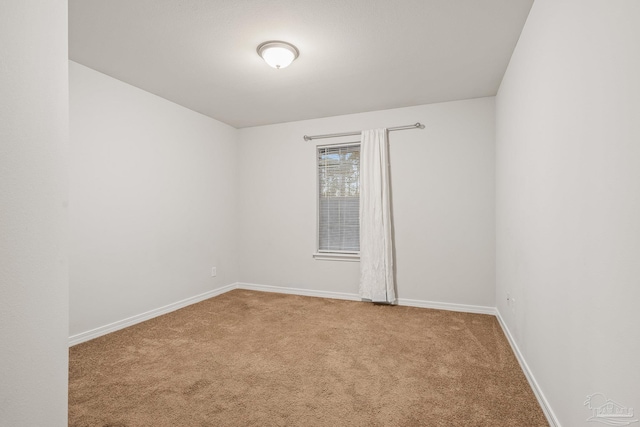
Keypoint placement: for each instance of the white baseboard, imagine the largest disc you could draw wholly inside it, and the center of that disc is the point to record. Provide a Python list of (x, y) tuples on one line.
[(355, 297), (477, 309), (298, 291), (542, 400), (121, 324)]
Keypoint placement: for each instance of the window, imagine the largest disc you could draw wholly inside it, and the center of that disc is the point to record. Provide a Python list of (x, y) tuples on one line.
[(339, 201)]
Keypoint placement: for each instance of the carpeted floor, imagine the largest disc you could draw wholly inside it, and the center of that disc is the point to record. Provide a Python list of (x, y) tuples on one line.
[(250, 358)]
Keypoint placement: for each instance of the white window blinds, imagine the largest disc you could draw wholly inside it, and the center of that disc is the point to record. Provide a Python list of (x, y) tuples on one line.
[(339, 198)]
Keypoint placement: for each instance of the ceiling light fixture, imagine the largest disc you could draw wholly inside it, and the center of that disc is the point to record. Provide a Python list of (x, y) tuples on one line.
[(277, 53)]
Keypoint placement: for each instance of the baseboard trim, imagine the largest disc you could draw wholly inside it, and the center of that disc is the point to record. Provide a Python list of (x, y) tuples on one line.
[(129, 321), (477, 309), (542, 400), (121, 324), (298, 291)]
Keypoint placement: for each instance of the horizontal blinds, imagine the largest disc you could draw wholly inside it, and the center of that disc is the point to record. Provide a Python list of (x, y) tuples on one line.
[(339, 198)]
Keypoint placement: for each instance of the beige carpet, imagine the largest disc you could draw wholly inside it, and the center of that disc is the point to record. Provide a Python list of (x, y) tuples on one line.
[(250, 358)]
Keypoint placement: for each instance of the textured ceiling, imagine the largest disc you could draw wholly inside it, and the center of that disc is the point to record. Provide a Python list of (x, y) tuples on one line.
[(355, 55)]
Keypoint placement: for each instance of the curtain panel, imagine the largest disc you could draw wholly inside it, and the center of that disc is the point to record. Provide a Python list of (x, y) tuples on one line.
[(376, 240)]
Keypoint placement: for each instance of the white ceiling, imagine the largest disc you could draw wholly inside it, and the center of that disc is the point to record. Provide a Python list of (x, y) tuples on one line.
[(355, 55)]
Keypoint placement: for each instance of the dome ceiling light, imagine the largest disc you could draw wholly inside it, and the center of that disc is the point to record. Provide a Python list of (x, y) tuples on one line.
[(278, 54)]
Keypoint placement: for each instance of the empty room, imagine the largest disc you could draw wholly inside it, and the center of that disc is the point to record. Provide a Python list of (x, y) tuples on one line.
[(319, 213)]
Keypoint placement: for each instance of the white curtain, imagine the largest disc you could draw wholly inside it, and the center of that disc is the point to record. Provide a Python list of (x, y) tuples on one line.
[(376, 245)]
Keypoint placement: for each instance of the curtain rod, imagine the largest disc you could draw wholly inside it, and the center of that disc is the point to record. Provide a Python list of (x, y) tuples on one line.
[(335, 135)]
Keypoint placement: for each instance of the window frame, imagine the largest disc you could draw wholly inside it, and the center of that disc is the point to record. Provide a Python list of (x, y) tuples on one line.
[(324, 255)]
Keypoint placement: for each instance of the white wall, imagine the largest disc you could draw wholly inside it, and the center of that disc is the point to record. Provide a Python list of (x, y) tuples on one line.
[(443, 198), (33, 209), (568, 201), (152, 201)]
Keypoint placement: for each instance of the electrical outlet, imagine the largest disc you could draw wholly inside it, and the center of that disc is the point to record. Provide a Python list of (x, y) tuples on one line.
[(511, 302), (214, 272)]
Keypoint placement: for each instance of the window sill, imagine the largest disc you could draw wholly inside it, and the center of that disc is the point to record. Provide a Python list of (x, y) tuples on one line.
[(336, 256)]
